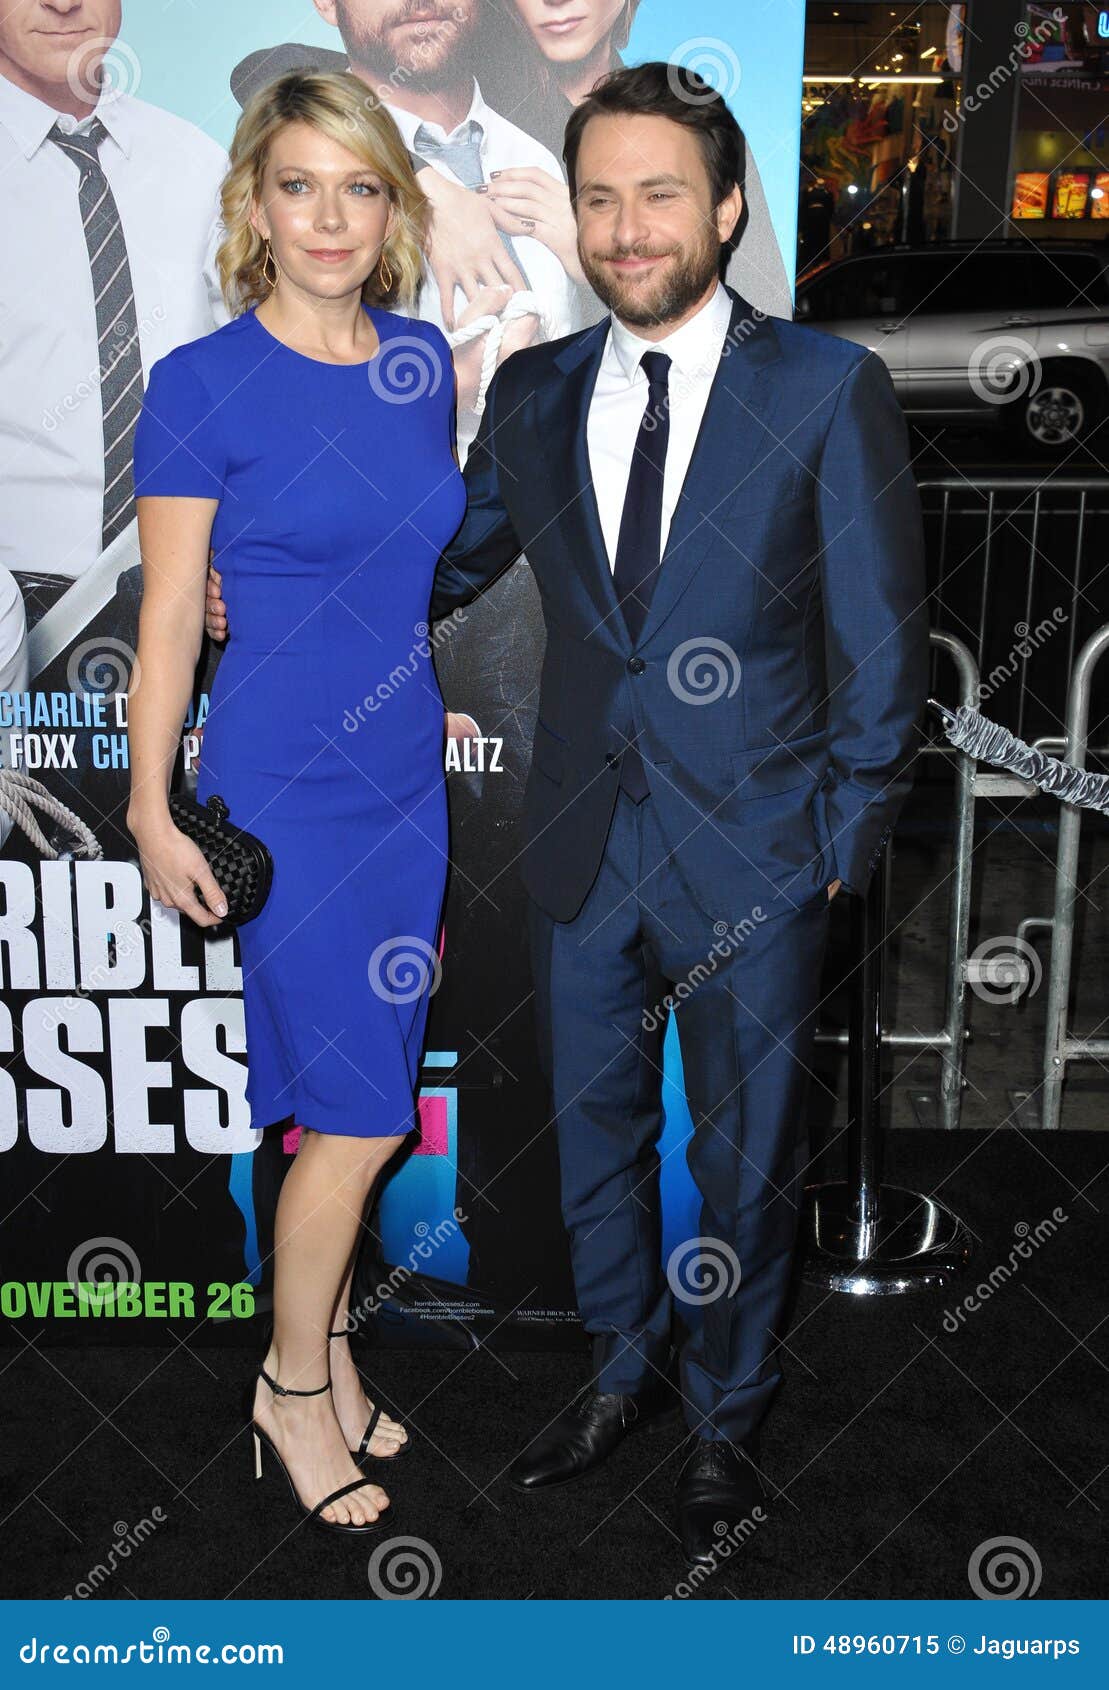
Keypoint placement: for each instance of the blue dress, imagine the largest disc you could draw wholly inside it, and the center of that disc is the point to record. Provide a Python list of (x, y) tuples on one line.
[(337, 492)]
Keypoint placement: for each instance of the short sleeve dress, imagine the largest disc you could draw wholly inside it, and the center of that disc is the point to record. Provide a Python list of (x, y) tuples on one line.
[(337, 491)]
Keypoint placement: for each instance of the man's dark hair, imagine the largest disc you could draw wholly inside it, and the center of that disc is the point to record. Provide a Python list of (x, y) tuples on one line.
[(661, 90)]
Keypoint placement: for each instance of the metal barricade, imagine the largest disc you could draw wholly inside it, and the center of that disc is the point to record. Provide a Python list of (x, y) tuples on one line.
[(949, 1039), (1060, 1046), (1016, 569), (1010, 567)]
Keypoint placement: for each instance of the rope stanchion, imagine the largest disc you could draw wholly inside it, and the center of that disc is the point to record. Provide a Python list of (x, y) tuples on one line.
[(493, 326), (864, 1237)]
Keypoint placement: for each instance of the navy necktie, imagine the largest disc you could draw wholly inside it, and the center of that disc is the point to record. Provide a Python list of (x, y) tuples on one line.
[(639, 548)]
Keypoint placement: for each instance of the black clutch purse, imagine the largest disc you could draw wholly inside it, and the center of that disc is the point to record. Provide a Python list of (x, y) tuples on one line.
[(240, 862)]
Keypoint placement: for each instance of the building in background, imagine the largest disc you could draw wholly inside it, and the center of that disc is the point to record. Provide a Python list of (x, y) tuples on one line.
[(880, 85), (889, 156), (1060, 155)]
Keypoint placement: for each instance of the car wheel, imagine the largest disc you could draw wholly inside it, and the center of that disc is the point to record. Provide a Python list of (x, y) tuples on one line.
[(1062, 411)]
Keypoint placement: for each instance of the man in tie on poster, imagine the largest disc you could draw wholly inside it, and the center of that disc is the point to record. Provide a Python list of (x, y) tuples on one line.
[(422, 69), (116, 204)]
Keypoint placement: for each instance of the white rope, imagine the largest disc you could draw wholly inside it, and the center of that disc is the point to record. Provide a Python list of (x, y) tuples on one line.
[(524, 304), (20, 796)]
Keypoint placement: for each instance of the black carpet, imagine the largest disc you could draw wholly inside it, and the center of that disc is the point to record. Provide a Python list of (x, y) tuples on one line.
[(894, 1450)]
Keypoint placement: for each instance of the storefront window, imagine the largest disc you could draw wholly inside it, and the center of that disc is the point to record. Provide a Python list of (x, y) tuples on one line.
[(876, 152), (1060, 164)]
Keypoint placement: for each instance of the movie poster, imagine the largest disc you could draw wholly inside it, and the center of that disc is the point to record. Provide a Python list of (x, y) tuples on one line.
[(129, 1151)]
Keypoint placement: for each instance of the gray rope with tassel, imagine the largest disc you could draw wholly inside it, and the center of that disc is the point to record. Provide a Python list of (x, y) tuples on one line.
[(970, 731)]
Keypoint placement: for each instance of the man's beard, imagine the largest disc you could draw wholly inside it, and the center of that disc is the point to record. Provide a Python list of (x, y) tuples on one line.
[(668, 297), (435, 60)]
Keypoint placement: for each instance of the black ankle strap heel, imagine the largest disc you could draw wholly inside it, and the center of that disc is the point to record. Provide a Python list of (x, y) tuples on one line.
[(313, 1515), (362, 1453), (287, 1391)]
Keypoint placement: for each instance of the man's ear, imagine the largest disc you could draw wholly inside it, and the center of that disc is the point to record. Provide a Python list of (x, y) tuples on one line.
[(728, 213)]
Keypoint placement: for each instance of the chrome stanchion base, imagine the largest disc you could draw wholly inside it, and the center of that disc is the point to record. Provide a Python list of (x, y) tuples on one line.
[(914, 1244)]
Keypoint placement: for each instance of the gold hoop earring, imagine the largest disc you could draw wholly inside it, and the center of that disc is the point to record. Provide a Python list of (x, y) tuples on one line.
[(385, 273), (269, 259)]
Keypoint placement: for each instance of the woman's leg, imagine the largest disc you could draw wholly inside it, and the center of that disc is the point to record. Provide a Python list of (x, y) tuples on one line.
[(318, 1218), (352, 1405)]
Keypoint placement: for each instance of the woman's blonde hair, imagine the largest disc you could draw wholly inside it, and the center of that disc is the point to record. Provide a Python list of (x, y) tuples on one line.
[(341, 106)]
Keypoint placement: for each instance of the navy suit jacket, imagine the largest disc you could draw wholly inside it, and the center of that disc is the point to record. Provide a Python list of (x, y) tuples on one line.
[(782, 668)]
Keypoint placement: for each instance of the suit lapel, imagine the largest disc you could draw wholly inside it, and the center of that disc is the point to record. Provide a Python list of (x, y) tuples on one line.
[(725, 451), (565, 449), (728, 440)]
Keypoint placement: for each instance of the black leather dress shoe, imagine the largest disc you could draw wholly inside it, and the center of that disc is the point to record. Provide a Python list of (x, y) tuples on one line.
[(719, 1489), (585, 1434)]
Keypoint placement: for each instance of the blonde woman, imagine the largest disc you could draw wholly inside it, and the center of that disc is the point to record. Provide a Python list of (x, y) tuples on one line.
[(308, 444)]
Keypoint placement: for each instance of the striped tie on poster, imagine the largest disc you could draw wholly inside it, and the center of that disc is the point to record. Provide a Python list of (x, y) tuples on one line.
[(117, 333)]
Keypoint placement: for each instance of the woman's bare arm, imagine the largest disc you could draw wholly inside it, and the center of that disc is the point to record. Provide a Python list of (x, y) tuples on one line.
[(174, 538)]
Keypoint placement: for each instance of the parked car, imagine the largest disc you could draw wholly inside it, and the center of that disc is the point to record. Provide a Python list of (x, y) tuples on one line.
[(998, 332)]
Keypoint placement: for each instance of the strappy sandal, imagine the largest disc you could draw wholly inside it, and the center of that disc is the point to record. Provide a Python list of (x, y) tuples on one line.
[(313, 1515), (362, 1453)]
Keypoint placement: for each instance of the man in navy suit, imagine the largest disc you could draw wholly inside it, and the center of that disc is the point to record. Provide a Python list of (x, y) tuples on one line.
[(726, 537)]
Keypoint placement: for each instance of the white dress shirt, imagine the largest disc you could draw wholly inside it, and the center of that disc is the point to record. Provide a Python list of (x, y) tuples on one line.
[(503, 147), (13, 669), (620, 398), (165, 176)]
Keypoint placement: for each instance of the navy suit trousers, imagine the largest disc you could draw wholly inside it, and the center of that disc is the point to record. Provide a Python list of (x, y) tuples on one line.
[(745, 999)]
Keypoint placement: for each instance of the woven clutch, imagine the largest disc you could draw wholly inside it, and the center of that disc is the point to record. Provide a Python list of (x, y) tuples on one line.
[(240, 862)]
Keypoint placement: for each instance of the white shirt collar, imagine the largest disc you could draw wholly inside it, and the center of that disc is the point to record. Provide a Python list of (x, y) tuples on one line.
[(29, 120), (408, 123), (694, 349)]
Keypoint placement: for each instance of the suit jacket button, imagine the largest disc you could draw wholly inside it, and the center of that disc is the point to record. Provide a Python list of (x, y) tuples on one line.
[(636, 666), (611, 759)]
